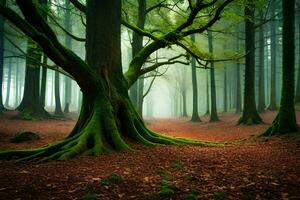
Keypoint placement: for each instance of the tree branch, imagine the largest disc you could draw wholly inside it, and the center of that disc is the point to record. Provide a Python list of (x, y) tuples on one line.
[(78, 5)]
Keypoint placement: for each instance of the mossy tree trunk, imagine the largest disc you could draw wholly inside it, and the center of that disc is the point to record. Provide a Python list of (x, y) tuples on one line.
[(250, 114), (195, 115), (213, 109), (107, 119), (285, 121)]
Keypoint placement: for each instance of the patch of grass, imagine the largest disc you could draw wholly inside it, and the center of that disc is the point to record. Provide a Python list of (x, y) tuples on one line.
[(114, 178), (89, 196), (219, 195)]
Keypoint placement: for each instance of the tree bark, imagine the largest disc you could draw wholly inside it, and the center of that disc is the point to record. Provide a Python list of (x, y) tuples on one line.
[(249, 115), (273, 38), (8, 83), (30, 106), (213, 110), (225, 101), (195, 115), (285, 121), (43, 82), (261, 82), (297, 96), (58, 110)]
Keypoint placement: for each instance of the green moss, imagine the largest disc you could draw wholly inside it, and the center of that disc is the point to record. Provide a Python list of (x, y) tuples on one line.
[(219, 195), (89, 196), (113, 178), (24, 136)]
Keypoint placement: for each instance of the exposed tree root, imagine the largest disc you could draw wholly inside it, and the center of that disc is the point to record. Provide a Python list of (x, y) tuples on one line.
[(101, 128)]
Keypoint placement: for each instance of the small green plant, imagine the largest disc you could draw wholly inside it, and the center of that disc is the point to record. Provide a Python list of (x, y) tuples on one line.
[(113, 178), (166, 192), (164, 174), (219, 195), (192, 195), (89, 196)]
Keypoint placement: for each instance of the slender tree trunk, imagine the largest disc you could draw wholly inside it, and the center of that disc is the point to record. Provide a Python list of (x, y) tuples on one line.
[(58, 110), (297, 97), (17, 75), (195, 115), (272, 105), (68, 42), (285, 121), (43, 82), (250, 114), (136, 90), (207, 93), (261, 82), (183, 94), (8, 82), (213, 110), (2, 21), (225, 91)]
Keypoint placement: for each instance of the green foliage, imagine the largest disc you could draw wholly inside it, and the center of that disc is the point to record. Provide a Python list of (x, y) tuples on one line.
[(24, 136), (192, 195), (219, 195), (113, 178), (166, 192), (89, 196)]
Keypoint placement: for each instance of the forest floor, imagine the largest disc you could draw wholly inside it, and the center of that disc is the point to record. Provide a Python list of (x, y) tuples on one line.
[(254, 169)]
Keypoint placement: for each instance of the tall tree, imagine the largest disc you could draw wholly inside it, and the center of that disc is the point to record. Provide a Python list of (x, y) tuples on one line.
[(68, 43), (136, 90), (297, 97), (249, 115), (213, 109), (273, 41), (207, 93), (225, 93), (107, 115), (195, 115), (2, 21), (261, 80), (285, 121)]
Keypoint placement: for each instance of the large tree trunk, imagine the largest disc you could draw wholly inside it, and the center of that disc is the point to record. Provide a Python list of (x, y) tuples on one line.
[(183, 95), (107, 118), (2, 2), (249, 115), (272, 105), (261, 81), (213, 110), (30, 106), (285, 121), (58, 110), (195, 115)]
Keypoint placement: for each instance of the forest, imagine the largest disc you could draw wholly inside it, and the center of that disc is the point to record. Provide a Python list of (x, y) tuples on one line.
[(150, 99)]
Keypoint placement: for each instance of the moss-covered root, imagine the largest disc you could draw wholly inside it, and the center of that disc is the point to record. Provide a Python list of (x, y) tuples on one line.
[(250, 120), (281, 126)]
